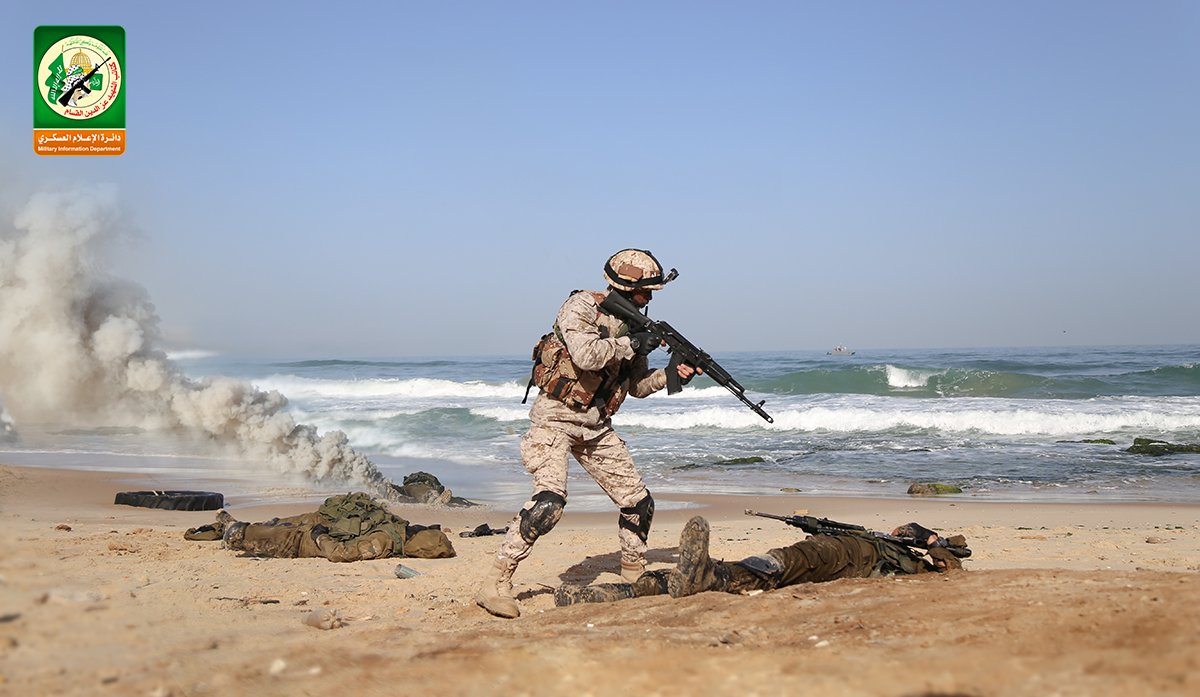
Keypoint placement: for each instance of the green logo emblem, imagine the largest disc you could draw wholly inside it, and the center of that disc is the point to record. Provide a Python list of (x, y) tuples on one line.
[(80, 77), (79, 90)]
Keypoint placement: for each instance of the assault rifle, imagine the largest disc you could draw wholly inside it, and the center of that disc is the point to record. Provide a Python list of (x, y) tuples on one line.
[(80, 84), (682, 351), (914, 535)]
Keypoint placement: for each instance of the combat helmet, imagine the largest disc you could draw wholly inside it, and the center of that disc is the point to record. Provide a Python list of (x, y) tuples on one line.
[(636, 269)]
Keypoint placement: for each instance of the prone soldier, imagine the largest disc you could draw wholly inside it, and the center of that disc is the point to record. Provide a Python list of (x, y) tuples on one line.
[(831, 553), (350, 527)]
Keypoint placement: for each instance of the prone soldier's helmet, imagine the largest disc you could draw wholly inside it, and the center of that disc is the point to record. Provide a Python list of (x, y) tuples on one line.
[(636, 269)]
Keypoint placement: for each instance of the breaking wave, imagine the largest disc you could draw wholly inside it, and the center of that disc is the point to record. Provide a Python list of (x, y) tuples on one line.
[(888, 379)]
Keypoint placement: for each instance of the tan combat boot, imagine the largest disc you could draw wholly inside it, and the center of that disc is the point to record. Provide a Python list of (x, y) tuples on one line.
[(495, 595), (632, 572), (234, 536)]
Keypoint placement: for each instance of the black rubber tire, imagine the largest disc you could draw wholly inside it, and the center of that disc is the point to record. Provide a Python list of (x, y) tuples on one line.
[(172, 500)]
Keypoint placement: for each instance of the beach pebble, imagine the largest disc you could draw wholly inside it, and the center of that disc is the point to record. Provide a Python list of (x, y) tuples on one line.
[(322, 618), (277, 666), (1154, 540), (403, 571), (63, 597), (63, 526), (730, 638)]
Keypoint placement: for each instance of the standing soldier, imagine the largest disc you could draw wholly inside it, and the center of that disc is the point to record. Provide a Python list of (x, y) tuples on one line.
[(585, 368)]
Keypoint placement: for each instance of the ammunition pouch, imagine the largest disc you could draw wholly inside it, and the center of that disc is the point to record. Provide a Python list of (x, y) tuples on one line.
[(896, 559), (555, 374), (765, 566)]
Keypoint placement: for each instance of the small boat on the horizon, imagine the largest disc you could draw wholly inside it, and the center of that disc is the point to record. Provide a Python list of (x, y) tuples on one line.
[(839, 350)]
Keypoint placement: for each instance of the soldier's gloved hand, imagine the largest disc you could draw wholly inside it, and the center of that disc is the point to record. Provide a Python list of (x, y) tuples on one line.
[(917, 531), (644, 343)]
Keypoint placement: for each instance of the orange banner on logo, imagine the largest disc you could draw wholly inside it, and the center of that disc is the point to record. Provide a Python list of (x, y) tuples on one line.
[(79, 141)]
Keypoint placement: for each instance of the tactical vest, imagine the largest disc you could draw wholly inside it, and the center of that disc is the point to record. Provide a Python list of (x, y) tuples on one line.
[(351, 515), (895, 559), (557, 375)]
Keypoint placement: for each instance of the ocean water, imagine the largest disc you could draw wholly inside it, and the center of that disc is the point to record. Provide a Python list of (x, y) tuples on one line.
[(1002, 424)]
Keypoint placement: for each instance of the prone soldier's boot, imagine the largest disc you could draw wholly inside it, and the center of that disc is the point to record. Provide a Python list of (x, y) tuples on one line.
[(235, 536), (696, 572), (224, 519), (496, 594)]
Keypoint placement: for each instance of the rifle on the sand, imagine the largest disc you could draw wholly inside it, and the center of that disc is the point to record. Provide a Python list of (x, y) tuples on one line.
[(914, 535), (682, 351)]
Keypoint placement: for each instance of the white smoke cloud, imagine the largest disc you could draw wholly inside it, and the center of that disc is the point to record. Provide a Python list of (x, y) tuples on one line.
[(79, 348), (8, 432)]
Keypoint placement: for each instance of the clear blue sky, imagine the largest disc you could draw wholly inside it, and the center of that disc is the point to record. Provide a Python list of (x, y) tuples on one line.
[(370, 179)]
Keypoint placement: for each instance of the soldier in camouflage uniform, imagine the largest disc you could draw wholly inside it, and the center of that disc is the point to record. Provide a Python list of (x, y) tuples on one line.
[(821, 557), (585, 368), (351, 527)]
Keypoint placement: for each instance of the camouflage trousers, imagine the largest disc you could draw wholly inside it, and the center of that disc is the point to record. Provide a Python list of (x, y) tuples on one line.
[(544, 452), (815, 560), (818, 559), (823, 558), (292, 537)]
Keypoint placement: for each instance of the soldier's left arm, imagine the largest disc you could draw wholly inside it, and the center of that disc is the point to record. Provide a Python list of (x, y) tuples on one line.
[(646, 381)]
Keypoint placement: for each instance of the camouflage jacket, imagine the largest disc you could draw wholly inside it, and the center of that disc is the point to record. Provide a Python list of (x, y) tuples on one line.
[(598, 346)]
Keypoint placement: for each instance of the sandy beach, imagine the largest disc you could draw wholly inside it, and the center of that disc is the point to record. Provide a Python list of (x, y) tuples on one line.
[(1058, 599)]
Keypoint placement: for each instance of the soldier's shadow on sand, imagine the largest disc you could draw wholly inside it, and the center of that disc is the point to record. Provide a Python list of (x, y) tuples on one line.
[(590, 569)]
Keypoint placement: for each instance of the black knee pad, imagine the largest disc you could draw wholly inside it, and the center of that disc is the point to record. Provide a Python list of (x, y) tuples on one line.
[(542, 516), (637, 517), (765, 566)]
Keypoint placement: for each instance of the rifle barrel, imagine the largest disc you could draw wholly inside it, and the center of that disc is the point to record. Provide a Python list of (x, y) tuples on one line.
[(765, 515)]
